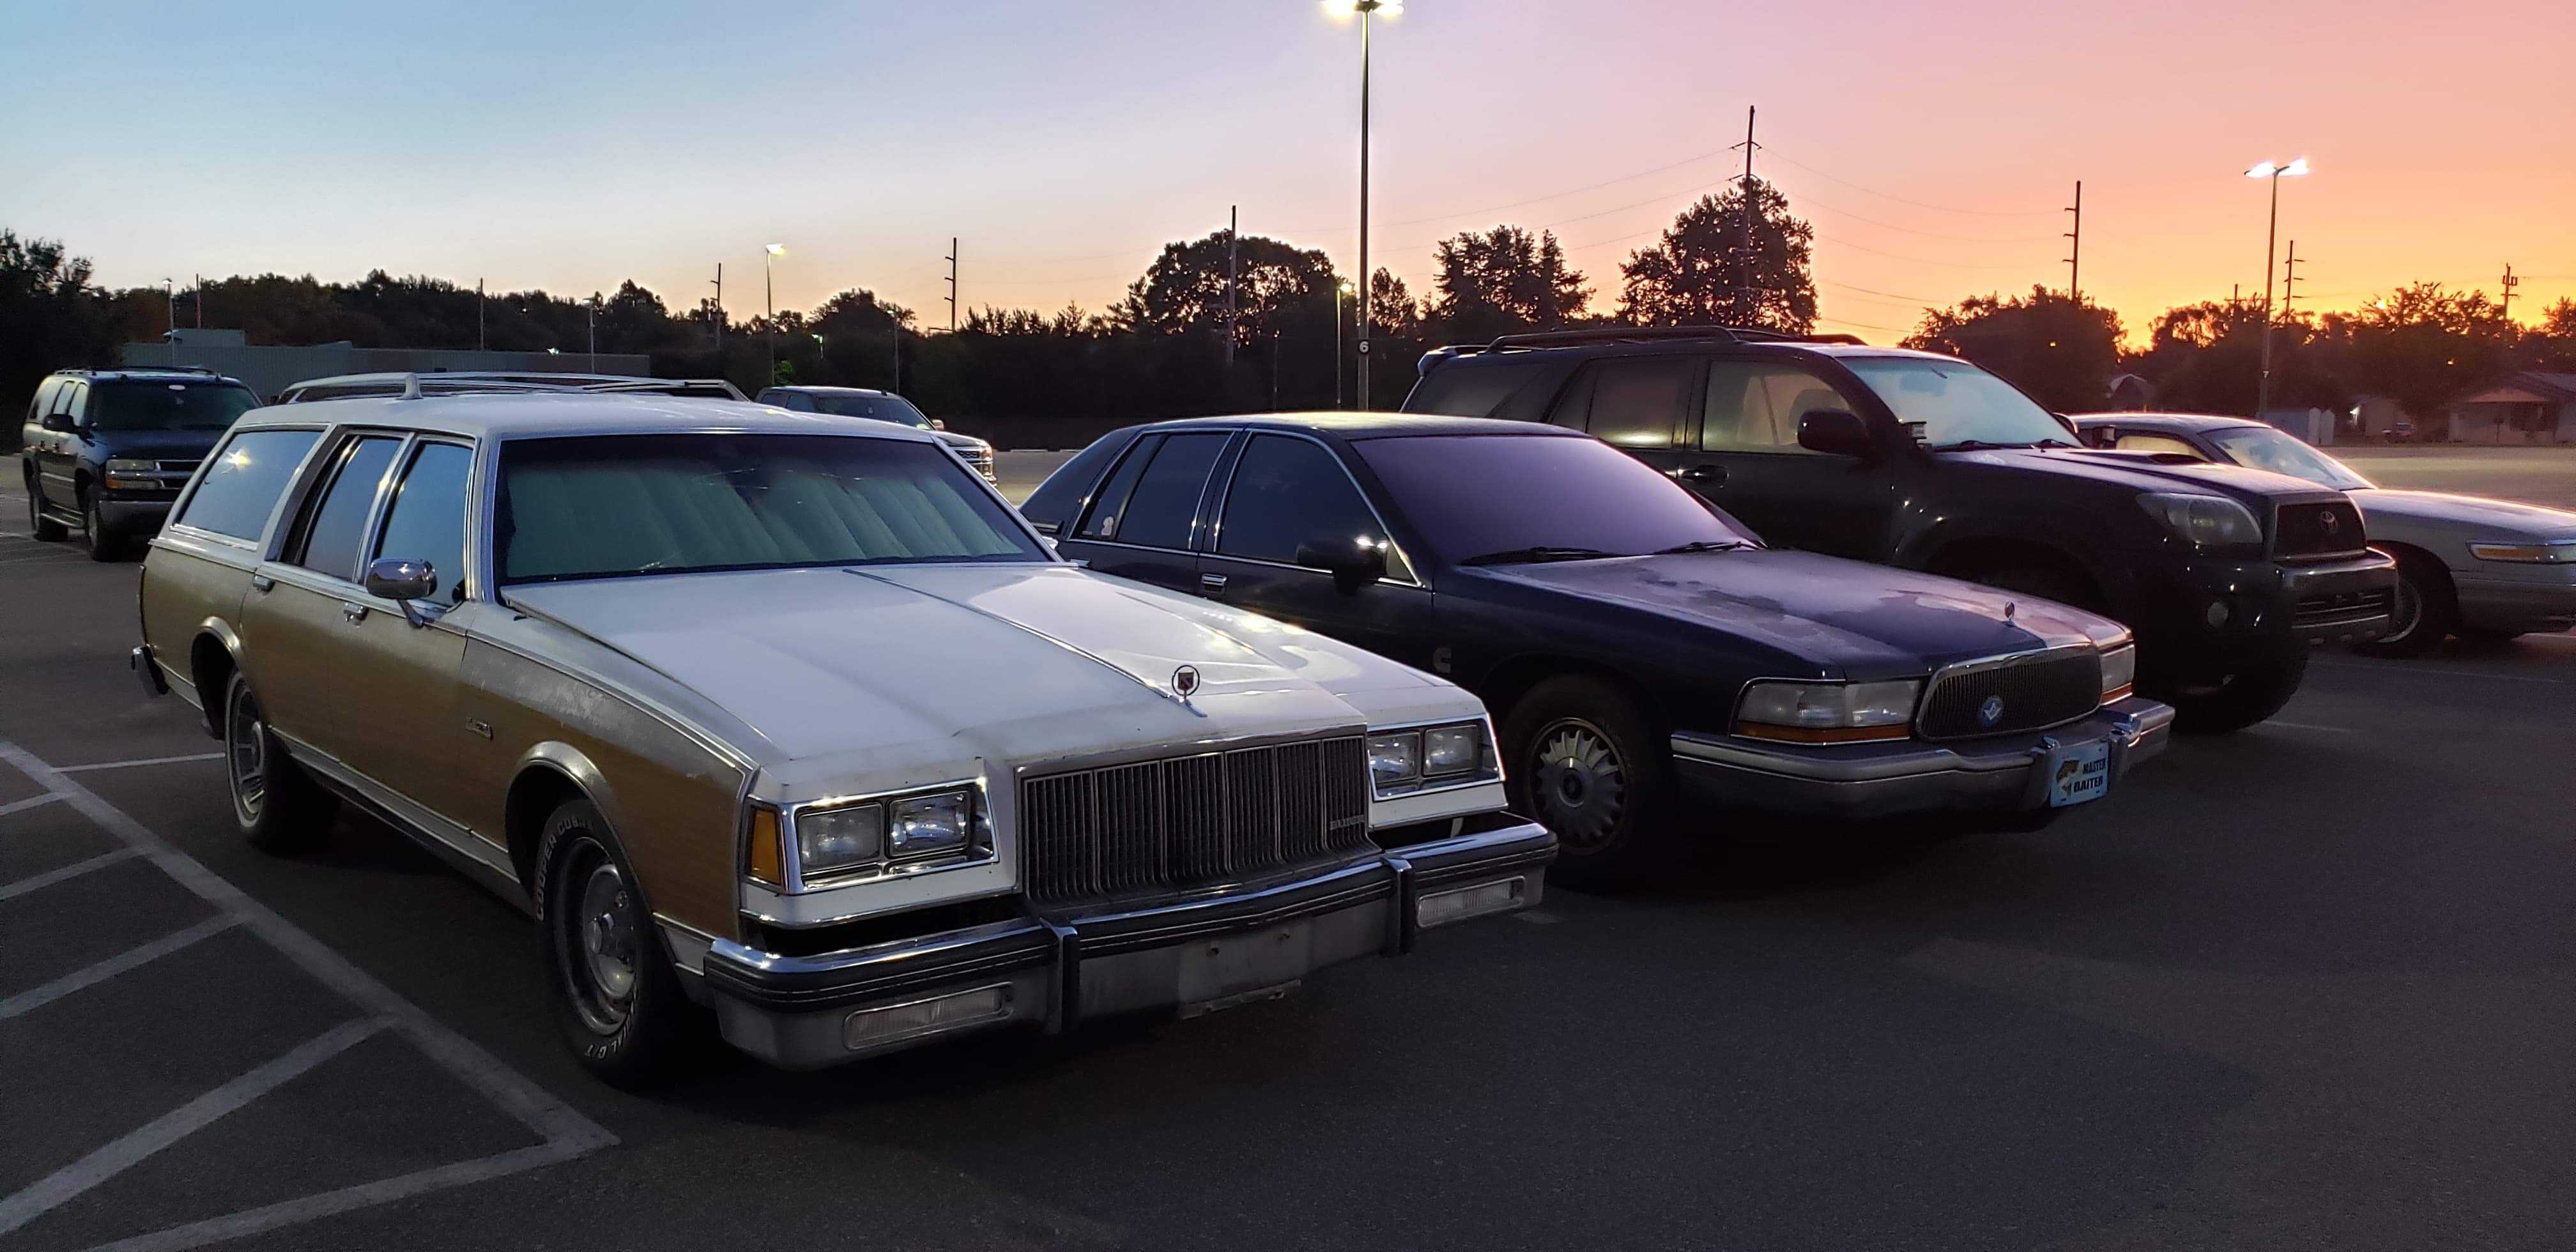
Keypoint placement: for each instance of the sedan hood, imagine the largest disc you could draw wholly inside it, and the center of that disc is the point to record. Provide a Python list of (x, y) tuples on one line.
[(1008, 662), (1867, 620), (2491, 519), (2140, 472)]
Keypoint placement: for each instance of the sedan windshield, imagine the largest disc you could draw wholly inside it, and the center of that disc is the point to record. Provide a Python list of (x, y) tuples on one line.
[(2263, 448), (1503, 499), (1958, 405), (894, 409), (168, 406), (612, 506)]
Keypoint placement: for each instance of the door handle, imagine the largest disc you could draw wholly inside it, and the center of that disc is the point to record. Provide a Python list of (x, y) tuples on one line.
[(353, 610), (1212, 586), (261, 582), (1705, 473)]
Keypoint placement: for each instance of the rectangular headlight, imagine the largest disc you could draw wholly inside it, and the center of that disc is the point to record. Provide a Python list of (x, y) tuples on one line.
[(1395, 759), (1452, 749), (932, 824), (2119, 671), (124, 473), (1821, 712), (835, 840), (2537, 552)]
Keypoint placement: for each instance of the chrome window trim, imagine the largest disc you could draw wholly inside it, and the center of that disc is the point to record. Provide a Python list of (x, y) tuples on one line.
[(1225, 493), (791, 856)]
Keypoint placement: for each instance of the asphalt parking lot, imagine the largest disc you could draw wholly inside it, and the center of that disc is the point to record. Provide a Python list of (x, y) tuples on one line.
[(2305, 986)]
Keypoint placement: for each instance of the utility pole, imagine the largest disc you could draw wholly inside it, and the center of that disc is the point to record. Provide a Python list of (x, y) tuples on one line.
[(1233, 309), (2075, 250), (2510, 282), (952, 284), (201, 297), (594, 332), (1740, 280), (2289, 277), (478, 315), (1364, 208), (720, 316)]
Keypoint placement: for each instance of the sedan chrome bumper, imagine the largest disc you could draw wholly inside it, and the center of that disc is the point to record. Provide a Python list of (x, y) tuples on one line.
[(1056, 970), (1910, 776)]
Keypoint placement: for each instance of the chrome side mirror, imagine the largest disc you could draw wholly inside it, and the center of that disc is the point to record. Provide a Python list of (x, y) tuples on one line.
[(402, 582)]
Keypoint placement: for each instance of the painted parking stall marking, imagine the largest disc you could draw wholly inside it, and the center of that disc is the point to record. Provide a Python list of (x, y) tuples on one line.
[(562, 1132)]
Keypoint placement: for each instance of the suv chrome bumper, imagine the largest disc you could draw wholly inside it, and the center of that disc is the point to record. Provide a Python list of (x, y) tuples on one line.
[(1196, 956), (1910, 776)]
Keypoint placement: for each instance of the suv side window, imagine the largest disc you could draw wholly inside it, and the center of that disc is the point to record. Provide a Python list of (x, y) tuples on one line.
[(1754, 406), (1289, 491), (793, 401), (2142, 441), (1636, 401), (1166, 499), (68, 400), (337, 527), (426, 521), (44, 401), (244, 480)]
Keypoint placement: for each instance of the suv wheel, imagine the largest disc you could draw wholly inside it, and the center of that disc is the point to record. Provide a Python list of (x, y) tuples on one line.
[(276, 806), (2239, 698), (1586, 766), (104, 544), (616, 998), (2426, 611), (42, 527)]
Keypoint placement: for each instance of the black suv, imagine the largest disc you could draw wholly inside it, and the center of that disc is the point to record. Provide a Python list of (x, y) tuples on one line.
[(108, 450), (1923, 461)]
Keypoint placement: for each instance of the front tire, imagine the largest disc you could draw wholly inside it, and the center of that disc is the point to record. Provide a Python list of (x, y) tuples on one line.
[(2239, 698), (617, 999), (105, 544), (45, 529), (276, 806), (1589, 768), (2427, 610)]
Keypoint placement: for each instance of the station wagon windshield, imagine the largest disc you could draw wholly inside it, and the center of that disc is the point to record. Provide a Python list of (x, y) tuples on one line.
[(616, 506), (1514, 499), (167, 406), (1957, 404)]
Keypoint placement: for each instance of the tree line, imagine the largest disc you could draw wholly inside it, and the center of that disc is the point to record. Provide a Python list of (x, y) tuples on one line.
[(1737, 258)]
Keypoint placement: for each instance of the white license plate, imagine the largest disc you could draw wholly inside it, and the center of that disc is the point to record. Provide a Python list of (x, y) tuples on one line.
[(2079, 772)]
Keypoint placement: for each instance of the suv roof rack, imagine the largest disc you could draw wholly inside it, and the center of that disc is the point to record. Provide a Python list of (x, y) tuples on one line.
[(1649, 334), (415, 385)]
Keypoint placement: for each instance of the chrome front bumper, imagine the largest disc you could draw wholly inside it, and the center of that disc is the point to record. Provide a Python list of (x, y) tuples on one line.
[(1057, 970), (1910, 776)]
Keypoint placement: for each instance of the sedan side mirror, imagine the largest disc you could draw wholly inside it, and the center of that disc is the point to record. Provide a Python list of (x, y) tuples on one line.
[(1353, 564), (936, 424), (1837, 432), (402, 582)]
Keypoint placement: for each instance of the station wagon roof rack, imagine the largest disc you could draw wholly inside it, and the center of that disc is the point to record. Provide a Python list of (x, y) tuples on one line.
[(416, 385)]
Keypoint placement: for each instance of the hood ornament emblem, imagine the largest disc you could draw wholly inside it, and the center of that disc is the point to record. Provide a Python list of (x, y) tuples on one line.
[(2009, 607), (1185, 681)]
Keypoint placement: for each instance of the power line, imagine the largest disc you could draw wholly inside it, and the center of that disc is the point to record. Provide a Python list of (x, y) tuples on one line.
[(1920, 204)]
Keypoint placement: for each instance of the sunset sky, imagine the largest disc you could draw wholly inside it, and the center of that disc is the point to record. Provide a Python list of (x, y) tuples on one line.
[(1932, 146)]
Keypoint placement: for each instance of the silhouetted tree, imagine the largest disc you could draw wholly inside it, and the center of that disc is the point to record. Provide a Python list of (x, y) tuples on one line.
[(2420, 344), (50, 319), (2060, 351), (1737, 259), (1504, 281)]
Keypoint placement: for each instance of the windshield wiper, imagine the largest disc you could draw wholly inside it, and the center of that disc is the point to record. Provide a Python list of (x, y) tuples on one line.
[(1981, 445), (1703, 545), (1533, 555)]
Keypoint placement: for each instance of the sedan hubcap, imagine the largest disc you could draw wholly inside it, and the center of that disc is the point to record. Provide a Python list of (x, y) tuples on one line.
[(2407, 613), (603, 966), (1579, 783), (246, 748)]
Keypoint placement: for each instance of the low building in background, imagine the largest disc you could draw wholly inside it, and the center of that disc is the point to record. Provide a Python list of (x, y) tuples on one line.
[(269, 369), (2527, 406)]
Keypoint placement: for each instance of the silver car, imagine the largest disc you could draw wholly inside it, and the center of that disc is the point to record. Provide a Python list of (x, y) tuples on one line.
[(2466, 565)]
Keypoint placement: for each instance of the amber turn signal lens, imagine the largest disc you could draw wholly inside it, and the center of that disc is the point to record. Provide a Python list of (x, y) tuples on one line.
[(764, 859)]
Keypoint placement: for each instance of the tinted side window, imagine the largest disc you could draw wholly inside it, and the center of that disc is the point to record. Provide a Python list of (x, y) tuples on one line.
[(1110, 506), (1166, 498), (245, 480), (69, 400), (426, 521), (1755, 407), (1635, 402), (43, 403), (1057, 499), (338, 527), (2141, 441), (1286, 492)]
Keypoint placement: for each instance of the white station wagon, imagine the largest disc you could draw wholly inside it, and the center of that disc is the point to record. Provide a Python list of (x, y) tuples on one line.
[(793, 717)]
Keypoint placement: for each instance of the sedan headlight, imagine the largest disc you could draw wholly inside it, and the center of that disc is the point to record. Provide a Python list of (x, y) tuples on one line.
[(1431, 756), (2528, 552), (2204, 521), (1825, 712), (128, 474), (2119, 672), (834, 841), (858, 837), (932, 824)]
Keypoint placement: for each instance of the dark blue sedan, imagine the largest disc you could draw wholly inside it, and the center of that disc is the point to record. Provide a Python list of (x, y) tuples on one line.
[(1640, 649)]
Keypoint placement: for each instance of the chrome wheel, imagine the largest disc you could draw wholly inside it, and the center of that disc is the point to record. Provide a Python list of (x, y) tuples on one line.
[(246, 752), (599, 946), (2406, 616), (1579, 783)]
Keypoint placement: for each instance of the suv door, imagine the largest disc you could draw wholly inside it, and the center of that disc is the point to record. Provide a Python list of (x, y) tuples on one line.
[(301, 619), (1633, 403), (1747, 461), (58, 457), (1144, 520), (1287, 490)]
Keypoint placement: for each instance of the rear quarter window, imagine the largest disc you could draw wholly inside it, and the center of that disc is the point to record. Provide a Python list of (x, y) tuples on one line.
[(1472, 388), (1053, 505), (243, 481)]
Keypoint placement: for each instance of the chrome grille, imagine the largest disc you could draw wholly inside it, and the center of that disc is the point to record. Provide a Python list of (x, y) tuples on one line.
[(2317, 529), (2342, 609), (2032, 692), (1192, 820)]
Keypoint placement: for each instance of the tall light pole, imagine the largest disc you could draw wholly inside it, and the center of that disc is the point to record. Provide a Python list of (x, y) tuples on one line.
[(1363, 10), (593, 366), (2274, 171), (1341, 288), (769, 294)]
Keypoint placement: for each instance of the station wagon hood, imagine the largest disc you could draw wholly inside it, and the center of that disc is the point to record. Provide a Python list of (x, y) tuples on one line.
[(1867, 621), (2141, 472), (1016, 660), (2493, 519)]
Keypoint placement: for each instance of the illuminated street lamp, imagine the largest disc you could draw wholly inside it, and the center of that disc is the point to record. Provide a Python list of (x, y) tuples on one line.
[(769, 296), (2274, 171), (1363, 10)]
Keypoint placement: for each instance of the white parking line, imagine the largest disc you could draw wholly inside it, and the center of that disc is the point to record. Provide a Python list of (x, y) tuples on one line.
[(73, 870), (2446, 673), (38, 997), (567, 1134), (2330, 730), (21, 806), (127, 1151), (148, 760)]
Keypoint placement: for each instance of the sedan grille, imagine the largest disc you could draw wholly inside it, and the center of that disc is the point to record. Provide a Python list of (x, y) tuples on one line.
[(1192, 821), (2030, 692), (2317, 529)]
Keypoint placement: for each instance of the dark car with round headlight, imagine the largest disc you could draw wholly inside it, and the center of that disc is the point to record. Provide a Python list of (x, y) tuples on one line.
[(1646, 658)]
